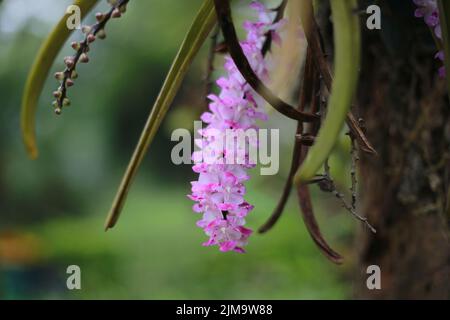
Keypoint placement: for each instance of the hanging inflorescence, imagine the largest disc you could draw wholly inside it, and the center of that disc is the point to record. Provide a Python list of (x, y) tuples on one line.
[(219, 191)]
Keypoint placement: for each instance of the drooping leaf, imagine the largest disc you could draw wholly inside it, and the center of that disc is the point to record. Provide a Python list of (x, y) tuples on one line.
[(196, 36), (444, 16), (295, 163), (306, 97), (39, 72), (312, 225), (347, 42)]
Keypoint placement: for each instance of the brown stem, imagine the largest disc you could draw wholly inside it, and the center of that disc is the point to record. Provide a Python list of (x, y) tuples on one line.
[(304, 198), (326, 184), (354, 160)]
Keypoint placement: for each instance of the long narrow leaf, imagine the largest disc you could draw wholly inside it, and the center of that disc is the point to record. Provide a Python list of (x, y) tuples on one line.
[(347, 41), (313, 227), (196, 36), (39, 72), (444, 16)]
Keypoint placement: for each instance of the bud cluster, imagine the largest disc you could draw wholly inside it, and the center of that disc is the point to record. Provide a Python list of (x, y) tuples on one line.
[(92, 33)]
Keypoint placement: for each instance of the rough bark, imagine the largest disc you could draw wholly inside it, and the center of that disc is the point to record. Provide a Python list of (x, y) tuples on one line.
[(405, 189)]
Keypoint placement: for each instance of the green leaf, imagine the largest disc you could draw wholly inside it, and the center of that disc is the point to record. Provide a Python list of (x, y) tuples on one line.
[(444, 16), (347, 42), (39, 72), (196, 36)]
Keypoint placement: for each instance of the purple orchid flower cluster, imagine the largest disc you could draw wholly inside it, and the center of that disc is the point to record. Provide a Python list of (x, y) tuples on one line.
[(219, 191), (429, 11)]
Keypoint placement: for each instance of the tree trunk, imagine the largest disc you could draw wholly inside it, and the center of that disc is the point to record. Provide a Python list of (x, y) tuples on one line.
[(404, 189)]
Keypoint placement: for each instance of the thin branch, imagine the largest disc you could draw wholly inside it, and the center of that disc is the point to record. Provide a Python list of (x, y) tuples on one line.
[(97, 30), (327, 184), (349, 208), (354, 159)]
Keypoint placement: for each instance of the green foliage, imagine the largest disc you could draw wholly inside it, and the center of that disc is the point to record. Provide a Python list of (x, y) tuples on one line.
[(347, 40)]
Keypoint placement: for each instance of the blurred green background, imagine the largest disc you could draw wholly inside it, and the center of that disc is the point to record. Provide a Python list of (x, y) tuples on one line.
[(52, 210)]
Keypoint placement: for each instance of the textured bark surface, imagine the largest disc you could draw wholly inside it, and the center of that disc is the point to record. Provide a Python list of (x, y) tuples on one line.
[(405, 189)]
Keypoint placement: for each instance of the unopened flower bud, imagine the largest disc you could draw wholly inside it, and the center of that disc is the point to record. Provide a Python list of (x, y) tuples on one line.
[(86, 29), (57, 94), (116, 13), (68, 61), (75, 45), (66, 102), (101, 34), (69, 82), (84, 58), (73, 75), (59, 76), (99, 16), (90, 38), (58, 110), (123, 8)]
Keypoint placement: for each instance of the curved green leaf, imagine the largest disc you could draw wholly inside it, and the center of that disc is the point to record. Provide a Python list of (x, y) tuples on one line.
[(347, 41), (196, 36), (444, 17), (39, 72)]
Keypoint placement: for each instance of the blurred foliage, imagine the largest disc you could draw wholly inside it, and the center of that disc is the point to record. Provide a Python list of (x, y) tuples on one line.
[(58, 202)]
